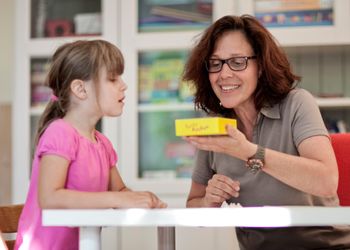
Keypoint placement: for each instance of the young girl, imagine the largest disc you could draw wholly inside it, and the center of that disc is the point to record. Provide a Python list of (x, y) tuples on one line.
[(74, 165)]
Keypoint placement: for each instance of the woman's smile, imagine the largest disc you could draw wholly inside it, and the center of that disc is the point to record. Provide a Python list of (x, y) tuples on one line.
[(229, 88)]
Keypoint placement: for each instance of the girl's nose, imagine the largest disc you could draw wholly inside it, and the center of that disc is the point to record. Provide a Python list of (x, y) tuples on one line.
[(124, 86)]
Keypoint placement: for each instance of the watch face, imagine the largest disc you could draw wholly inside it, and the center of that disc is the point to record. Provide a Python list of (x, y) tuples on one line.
[(254, 165)]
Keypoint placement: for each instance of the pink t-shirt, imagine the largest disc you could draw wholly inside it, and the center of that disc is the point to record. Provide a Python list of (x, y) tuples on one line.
[(88, 170)]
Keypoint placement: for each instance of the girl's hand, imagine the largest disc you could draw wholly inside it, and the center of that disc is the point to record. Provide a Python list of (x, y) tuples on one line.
[(235, 144), (220, 188), (140, 199)]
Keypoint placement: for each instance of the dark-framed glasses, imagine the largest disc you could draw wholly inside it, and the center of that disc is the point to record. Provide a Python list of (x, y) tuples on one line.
[(236, 63)]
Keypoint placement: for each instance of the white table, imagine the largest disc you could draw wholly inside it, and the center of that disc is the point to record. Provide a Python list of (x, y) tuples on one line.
[(90, 221)]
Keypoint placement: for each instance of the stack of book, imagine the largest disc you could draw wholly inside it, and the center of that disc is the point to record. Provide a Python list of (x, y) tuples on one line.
[(174, 15), (286, 13)]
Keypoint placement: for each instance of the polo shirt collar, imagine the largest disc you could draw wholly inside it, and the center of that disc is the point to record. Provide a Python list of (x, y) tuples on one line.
[(271, 112)]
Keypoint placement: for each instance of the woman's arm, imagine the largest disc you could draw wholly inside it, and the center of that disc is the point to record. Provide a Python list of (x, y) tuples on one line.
[(52, 194), (314, 171), (219, 189)]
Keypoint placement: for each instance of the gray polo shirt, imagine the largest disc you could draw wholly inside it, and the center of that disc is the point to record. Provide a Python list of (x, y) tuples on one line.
[(282, 128)]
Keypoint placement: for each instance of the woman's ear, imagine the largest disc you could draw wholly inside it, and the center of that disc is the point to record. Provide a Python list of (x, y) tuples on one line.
[(78, 88)]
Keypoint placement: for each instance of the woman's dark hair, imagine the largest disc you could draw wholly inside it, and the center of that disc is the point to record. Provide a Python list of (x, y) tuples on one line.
[(276, 78), (79, 60)]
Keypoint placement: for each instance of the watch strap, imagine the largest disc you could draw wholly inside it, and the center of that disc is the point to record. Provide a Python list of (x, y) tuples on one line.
[(260, 153), (256, 162)]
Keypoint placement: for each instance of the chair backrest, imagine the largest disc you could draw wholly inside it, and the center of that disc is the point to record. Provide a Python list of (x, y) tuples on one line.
[(341, 146), (9, 216)]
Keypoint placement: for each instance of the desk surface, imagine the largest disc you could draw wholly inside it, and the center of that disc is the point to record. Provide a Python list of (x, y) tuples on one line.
[(206, 217)]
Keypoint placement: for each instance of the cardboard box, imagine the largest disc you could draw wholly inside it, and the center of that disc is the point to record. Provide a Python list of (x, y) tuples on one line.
[(203, 126)]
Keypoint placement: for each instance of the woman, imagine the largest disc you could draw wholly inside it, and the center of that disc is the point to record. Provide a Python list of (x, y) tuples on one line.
[(280, 153)]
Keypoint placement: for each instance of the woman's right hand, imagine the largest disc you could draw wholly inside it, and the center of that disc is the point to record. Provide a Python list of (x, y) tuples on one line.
[(140, 199), (220, 188)]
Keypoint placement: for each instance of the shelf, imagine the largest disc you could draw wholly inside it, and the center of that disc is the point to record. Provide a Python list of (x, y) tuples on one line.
[(148, 119), (46, 46), (332, 102), (37, 110), (166, 107), (337, 102), (322, 35)]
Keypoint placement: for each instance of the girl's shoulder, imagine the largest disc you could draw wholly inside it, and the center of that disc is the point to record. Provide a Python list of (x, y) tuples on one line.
[(60, 124), (59, 131), (103, 139), (59, 138)]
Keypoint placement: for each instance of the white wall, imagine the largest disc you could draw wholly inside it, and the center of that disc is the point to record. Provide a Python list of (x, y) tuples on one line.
[(7, 24)]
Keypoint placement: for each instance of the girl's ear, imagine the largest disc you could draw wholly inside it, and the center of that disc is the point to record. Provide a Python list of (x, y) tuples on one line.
[(78, 88)]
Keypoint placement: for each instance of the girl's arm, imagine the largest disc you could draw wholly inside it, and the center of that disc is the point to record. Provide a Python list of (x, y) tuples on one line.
[(133, 198), (116, 182), (52, 192)]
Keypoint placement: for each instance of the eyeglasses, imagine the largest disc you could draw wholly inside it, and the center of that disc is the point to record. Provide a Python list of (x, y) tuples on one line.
[(237, 63)]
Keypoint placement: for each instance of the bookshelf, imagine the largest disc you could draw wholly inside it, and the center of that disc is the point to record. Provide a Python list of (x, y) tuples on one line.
[(320, 54), (309, 51), (34, 46), (333, 102), (307, 35), (159, 53), (322, 60)]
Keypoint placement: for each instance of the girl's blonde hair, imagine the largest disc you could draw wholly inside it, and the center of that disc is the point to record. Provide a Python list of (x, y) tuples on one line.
[(79, 60)]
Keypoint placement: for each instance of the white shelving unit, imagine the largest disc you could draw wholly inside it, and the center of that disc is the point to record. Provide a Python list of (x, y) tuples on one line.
[(120, 26), (27, 48), (325, 70), (333, 102), (132, 43), (336, 34)]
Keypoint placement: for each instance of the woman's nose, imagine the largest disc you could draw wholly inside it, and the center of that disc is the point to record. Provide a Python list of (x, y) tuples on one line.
[(225, 71)]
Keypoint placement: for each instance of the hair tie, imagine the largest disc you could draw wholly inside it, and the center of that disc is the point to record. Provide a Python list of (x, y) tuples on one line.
[(53, 98)]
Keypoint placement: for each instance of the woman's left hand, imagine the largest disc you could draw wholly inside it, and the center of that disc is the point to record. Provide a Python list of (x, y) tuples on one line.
[(234, 144)]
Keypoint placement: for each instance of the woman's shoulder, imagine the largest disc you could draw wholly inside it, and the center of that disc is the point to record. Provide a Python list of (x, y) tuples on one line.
[(299, 96), (299, 93)]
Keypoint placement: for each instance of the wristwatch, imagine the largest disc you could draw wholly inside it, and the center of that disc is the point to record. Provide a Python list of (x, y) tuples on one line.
[(256, 162)]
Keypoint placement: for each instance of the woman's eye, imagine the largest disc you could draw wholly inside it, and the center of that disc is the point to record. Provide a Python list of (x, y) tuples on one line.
[(214, 63), (237, 62)]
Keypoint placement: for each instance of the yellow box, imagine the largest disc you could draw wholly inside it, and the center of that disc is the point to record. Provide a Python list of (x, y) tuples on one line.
[(203, 126)]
